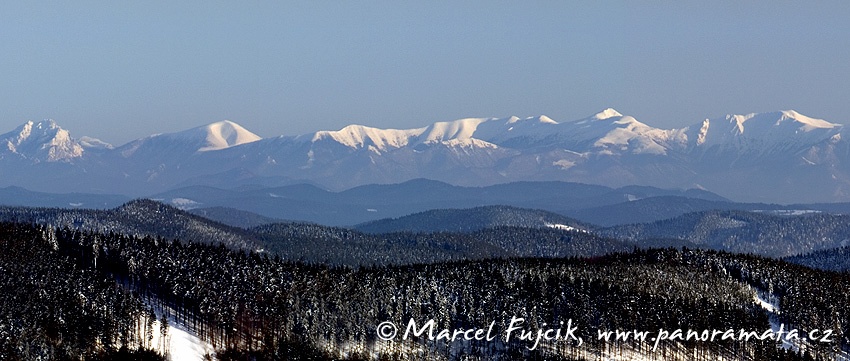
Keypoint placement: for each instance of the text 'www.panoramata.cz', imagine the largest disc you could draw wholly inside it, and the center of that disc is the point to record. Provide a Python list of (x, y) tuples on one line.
[(566, 331)]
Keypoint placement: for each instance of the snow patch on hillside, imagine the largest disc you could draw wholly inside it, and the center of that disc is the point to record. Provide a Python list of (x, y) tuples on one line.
[(185, 203), (94, 143), (565, 227), (564, 164), (787, 212)]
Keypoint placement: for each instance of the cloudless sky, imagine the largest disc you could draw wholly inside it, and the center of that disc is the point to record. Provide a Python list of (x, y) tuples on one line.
[(119, 70)]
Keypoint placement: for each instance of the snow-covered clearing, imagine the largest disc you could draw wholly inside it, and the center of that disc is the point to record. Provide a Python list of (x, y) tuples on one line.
[(180, 343)]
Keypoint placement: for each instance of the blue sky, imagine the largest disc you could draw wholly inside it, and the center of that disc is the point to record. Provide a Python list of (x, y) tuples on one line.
[(121, 70)]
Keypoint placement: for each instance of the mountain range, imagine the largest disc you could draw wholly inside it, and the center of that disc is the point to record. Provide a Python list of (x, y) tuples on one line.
[(304, 202), (782, 156), (474, 219)]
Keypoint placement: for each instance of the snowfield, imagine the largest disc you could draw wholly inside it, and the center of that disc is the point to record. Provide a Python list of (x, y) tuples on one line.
[(180, 344)]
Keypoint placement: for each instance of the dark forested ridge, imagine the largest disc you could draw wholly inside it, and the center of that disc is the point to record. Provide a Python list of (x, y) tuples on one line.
[(833, 259), (342, 246), (471, 219), (653, 209), (139, 217), (521, 233), (322, 244), (745, 232), (234, 217), (250, 304)]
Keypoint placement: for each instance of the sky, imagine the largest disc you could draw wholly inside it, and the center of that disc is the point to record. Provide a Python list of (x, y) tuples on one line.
[(119, 70)]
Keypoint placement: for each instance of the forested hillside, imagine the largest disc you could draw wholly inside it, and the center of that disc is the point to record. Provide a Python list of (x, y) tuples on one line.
[(341, 246), (316, 292), (472, 219), (314, 243), (140, 217), (52, 309), (745, 232), (252, 304), (833, 259), (233, 217)]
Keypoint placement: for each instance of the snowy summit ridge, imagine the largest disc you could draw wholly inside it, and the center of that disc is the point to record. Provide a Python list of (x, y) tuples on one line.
[(766, 129), (775, 156)]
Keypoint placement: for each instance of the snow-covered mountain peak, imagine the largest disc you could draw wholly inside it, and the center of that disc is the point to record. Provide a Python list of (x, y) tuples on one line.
[(214, 136), (40, 129), (808, 122), (458, 129), (41, 141), (606, 121), (607, 113), (625, 134), (784, 118), (223, 134), (489, 130), (542, 119), (545, 119), (359, 136), (513, 119), (46, 124)]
